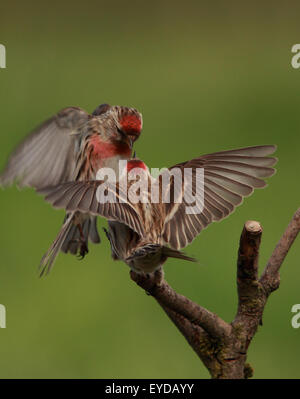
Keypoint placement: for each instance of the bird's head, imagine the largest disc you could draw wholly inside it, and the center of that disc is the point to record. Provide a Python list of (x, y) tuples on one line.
[(135, 163), (129, 123), (135, 169), (114, 129)]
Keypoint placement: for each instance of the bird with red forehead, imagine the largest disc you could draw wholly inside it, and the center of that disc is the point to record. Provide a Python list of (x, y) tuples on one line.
[(144, 231), (72, 146)]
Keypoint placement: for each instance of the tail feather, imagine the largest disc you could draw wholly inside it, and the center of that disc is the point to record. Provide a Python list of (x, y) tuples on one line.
[(174, 253), (70, 243), (48, 259), (93, 231), (150, 257), (72, 240), (68, 240)]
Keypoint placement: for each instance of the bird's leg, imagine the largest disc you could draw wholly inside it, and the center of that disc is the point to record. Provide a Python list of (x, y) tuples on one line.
[(114, 253), (107, 234), (83, 246), (159, 275)]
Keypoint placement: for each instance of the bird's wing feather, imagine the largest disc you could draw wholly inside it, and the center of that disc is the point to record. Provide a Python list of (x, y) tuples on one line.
[(229, 176), (82, 196), (47, 156)]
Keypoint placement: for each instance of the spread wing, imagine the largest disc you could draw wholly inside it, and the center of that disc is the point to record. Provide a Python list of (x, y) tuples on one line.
[(46, 157), (84, 196), (229, 176)]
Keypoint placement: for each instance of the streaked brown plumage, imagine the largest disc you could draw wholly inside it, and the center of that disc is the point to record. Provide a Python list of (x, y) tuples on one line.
[(72, 146), (145, 235)]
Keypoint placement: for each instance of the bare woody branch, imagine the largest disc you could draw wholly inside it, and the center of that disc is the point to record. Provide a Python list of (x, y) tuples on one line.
[(248, 252), (247, 270), (169, 298), (251, 296), (270, 278), (222, 347)]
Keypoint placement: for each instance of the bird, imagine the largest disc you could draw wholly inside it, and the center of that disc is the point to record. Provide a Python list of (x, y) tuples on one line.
[(72, 146), (144, 232)]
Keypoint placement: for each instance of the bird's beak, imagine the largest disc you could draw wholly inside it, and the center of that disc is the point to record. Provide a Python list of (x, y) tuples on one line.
[(125, 138), (130, 142), (133, 137)]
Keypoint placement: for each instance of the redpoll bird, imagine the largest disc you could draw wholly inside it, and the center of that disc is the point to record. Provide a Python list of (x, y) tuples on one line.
[(72, 146), (145, 233)]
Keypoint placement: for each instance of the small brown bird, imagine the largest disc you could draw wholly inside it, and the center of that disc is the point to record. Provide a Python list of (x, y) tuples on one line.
[(72, 146), (145, 233)]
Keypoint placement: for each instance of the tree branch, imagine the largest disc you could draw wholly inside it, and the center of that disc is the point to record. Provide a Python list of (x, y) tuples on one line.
[(195, 313), (247, 275), (223, 347), (248, 254), (270, 278)]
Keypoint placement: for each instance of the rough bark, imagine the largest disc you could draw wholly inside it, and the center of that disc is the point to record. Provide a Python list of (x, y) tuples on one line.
[(223, 346)]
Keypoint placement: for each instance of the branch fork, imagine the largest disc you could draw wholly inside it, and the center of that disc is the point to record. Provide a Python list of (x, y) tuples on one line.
[(223, 346)]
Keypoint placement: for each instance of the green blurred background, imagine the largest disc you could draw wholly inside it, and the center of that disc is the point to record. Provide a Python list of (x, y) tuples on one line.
[(207, 77)]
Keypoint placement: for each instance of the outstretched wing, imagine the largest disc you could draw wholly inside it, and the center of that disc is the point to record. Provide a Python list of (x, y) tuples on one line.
[(82, 196), (229, 176), (46, 157)]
